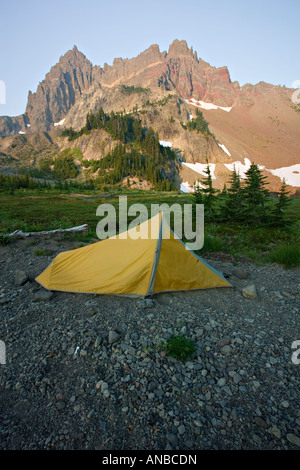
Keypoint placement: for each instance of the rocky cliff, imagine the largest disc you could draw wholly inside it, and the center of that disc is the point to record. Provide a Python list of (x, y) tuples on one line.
[(165, 89)]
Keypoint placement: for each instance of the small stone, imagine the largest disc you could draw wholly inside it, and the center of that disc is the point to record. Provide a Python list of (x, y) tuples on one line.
[(236, 378), (113, 336), (102, 425), (172, 439), (60, 405), (199, 332), (223, 342), (221, 382), (273, 360), (43, 296), (20, 278), (249, 292), (227, 390), (261, 422), (145, 303), (226, 349), (98, 384), (197, 423), (276, 431), (181, 429), (257, 439), (104, 386), (293, 439), (240, 273), (217, 423)]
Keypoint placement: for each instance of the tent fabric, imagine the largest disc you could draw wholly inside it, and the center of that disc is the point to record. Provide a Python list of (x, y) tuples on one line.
[(139, 262)]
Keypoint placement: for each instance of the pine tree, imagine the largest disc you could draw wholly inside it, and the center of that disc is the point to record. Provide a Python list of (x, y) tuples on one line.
[(198, 194), (279, 214), (233, 204), (209, 193), (255, 195)]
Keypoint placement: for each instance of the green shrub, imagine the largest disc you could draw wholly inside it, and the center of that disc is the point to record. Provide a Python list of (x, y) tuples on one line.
[(212, 243), (287, 255), (179, 347), (4, 239), (42, 252)]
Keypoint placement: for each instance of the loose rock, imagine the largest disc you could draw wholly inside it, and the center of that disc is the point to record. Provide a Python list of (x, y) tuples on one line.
[(249, 292)]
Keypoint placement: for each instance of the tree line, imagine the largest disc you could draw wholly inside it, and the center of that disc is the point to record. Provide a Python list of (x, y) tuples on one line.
[(10, 183), (245, 202)]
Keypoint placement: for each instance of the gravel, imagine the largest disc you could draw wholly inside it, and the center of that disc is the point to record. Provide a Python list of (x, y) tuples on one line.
[(91, 372)]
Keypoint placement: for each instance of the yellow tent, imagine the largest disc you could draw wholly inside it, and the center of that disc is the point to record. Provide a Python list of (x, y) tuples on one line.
[(156, 261)]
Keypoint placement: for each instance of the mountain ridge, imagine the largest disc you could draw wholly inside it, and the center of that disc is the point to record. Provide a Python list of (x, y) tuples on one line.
[(260, 124)]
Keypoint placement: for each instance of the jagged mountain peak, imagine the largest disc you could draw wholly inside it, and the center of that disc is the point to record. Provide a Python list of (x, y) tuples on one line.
[(254, 122), (179, 48)]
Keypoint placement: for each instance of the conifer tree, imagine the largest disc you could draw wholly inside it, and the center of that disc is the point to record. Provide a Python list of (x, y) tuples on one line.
[(255, 195), (233, 204), (209, 193), (197, 194), (279, 214)]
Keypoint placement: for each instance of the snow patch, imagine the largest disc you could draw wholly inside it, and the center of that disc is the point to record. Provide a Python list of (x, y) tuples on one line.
[(28, 125), (291, 174), (21, 132), (240, 167), (165, 143), (60, 123), (204, 105), (201, 167), (224, 148), (186, 188)]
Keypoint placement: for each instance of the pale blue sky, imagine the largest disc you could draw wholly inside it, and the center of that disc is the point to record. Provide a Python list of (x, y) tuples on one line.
[(258, 39)]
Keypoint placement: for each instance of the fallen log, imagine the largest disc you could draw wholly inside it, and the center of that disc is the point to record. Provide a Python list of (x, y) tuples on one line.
[(21, 234)]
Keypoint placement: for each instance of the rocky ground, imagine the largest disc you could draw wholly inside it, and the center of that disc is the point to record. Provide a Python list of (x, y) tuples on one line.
[(91, 372)]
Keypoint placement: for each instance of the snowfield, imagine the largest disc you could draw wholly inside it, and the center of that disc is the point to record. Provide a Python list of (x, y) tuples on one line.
[(291, 174), (240, 167), (200, 167), (204, 105)]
